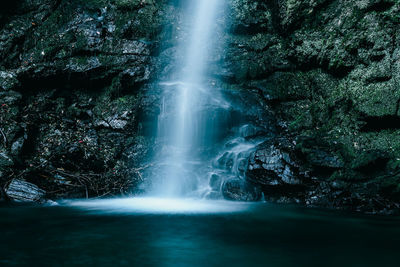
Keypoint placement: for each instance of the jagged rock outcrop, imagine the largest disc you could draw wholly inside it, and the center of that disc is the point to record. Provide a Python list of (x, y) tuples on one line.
[(72, 77), (329, 71)]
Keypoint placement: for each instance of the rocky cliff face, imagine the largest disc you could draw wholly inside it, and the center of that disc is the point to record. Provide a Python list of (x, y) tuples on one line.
[(329, 70), (77, 95), (72, 76)]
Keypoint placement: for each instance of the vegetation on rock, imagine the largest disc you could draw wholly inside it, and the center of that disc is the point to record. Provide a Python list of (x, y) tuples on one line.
[(77, 94)]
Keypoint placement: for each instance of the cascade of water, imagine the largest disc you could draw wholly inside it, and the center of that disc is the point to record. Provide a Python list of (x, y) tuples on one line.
[(185, 125), (232, 160)]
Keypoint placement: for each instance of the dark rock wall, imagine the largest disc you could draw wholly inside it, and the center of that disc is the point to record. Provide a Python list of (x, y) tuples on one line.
[(77, 94), (72, 76), (329, 69)]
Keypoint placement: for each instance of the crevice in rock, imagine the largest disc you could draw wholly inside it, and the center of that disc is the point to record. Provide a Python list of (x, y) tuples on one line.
[(322, 171), (372, 123), (28, 149), (380, 6), (315, 63), (247, 29), (374, 167), (379, 79), (377, 57), (70, 81), (397, 107)]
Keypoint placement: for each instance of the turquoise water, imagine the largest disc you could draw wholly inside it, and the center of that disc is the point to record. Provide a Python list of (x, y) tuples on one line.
[(153, 232)]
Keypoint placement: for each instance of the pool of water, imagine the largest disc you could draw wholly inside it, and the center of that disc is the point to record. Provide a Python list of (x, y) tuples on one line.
[(159, 232)]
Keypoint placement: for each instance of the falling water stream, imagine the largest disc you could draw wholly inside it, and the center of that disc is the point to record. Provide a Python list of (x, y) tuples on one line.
[(186, 123)]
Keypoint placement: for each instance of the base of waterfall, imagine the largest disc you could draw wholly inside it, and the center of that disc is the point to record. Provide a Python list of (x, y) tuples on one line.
[(153, 205), (182, 232)]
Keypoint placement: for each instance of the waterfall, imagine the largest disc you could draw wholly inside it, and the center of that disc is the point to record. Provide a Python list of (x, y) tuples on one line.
[(185, 126)]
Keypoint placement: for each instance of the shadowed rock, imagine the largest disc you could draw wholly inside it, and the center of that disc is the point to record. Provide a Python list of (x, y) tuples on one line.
[(239, 190)]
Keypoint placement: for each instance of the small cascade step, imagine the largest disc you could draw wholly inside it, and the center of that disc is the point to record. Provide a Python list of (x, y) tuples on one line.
[(229, 167)]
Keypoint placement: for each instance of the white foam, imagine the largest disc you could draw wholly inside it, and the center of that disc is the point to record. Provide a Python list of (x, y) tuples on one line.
[(149, 205)]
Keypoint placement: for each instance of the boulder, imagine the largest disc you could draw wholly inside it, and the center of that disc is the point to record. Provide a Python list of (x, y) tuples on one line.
[(20, 190), (271, 166), (215, 181), (240, 190)]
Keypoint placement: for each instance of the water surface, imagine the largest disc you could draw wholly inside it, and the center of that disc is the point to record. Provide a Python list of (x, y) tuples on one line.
[(156, 232)]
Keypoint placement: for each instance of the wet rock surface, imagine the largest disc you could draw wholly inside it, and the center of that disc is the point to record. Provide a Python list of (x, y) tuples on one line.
[(239, 190), (20, 190), (72, 79), (317, 80), (328, 71)]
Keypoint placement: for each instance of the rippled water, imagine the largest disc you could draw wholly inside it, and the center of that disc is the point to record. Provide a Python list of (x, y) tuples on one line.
[(157, 232)]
